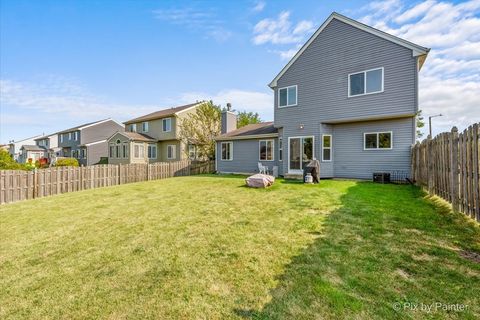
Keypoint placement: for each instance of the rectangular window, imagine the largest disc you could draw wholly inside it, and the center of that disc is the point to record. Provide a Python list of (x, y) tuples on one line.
[(300, 153), (280, 149), (125, 150), (139, 151), (227, 151), (83, 153), (61, 138), (69, 136), (266, 150), (287, 97), (365, 82), (133, 127), (110, 151), (171, 151), (75, 135), (377, 140), (326, 147), (145, 127), (167, 125), (152, 151), (192, 151), (117, 151)]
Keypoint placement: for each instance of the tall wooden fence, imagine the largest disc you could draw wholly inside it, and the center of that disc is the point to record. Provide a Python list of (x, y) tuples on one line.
[(448, 166), (17, 185)]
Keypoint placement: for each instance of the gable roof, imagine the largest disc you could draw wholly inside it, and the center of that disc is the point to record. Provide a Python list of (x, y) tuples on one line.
[(82, 126), (416, 49), (163, 113), (256, 130), (27, 147), (134, 136)]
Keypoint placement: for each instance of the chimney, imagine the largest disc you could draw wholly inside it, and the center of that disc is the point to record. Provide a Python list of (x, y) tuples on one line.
[(229, 120)]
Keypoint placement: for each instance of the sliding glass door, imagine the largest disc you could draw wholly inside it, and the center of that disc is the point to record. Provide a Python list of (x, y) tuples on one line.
[(300, 153)]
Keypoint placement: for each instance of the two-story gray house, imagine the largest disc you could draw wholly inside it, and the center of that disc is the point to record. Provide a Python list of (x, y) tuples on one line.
[(348, 98), (87, 142)]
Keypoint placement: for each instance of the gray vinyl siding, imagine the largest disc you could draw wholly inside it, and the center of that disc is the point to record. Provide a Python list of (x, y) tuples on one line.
[(352, 161), (245, 157), (95, 152), (99, 132), (321, 74), (326, 167)]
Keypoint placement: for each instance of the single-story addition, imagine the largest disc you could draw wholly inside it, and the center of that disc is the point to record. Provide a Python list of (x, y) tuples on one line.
[(33, 152)]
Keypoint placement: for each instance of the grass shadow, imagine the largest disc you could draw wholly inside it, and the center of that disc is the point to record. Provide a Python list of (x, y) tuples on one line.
[(387, 245)]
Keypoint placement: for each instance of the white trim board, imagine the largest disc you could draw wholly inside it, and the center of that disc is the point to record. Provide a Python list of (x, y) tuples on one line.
[(416, 49)]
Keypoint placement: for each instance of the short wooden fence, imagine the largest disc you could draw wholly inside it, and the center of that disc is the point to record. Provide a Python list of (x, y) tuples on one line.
[(18, 185), (448, 166)]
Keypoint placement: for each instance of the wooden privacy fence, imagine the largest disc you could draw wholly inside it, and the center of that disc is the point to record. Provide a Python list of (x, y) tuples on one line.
[(448, 166), (17, 185)]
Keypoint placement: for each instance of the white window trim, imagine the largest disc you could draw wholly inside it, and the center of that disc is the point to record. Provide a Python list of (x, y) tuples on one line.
[(69, 136), (231, 150), (152, 146), (273, 149), (288, 105), (125, 148), (378, 134), (280, 149), (75, 135), (194, 151), (331, 149), (313, 152), (174, 153), (170, 129), (365, 82), (145, 126), (61, 138), (133, 127)]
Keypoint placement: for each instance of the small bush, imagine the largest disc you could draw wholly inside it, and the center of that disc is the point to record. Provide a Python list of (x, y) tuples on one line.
[(67, 162), (7, 162)]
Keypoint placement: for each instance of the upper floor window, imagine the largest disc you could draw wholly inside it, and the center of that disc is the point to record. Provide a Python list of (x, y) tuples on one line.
[(365, 82), (167, 125), (266, 150), (75, 135), (377, 140), (69, 136), (145, 127), (133, 127), (287, 97), (61, 137), (227, 151)]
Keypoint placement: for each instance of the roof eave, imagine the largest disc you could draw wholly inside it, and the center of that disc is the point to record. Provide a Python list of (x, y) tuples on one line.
[(247, 137)]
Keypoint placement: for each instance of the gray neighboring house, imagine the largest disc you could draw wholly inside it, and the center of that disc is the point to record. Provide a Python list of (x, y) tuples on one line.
[(347, 98), (87, 142)]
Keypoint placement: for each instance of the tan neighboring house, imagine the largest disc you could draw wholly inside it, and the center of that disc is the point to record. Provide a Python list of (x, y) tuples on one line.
[(154, 137)]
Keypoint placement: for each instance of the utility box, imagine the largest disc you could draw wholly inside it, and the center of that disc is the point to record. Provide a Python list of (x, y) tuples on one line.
[(381, 177)]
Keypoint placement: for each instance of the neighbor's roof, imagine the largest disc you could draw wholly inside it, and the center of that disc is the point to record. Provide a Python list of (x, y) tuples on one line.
[(82, 126), (251, 131), (45, 136), (27, 147), (163, 113), (135, 136), (416, 49)]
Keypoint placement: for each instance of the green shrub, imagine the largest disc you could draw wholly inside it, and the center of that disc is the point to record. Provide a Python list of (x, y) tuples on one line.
[(7, 162), (66, 162)]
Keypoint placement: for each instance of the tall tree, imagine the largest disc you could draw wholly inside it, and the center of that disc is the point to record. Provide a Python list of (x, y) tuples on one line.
[(244, 118), (420, 124), (201, 127)]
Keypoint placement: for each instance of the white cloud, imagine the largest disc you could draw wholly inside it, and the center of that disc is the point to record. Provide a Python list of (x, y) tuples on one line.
[(196, 20), (254, 101), (281, 30), (450, 78), (259, 6)]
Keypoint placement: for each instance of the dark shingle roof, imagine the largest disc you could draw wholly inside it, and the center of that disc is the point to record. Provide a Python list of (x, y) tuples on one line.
[(80, 126), (27, 147), (250, 130), (162, 113), (135, 136)]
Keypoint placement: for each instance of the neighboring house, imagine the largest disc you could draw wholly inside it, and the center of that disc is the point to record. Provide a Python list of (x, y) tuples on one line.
[(347, 98), (32, 152), (50, 144), (152, 138), (88, 142), (15, 146)]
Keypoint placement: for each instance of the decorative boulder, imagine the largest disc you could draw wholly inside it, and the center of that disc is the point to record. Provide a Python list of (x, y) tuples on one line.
[(260, 181)]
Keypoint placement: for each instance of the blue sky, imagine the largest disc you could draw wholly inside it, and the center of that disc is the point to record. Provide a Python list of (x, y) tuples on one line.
[(63, 63)]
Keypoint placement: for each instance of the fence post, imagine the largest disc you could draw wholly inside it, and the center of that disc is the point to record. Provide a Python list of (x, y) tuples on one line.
[(454, 168), (118, 174), (429, 158), (34, 183)]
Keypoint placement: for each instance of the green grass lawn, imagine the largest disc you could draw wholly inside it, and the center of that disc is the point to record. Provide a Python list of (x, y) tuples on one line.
[(206, 247)]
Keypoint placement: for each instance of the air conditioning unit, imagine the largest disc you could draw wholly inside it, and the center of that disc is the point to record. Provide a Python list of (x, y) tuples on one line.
[(381, 177)]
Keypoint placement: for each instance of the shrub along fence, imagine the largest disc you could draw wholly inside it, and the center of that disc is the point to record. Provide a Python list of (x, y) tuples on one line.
[(17, 185), (448, 166)]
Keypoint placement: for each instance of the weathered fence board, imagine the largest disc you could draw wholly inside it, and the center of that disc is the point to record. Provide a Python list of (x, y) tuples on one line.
[(17, 185), (448, 166)]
